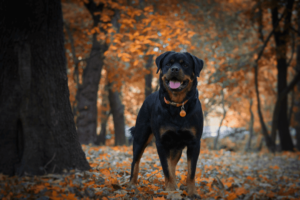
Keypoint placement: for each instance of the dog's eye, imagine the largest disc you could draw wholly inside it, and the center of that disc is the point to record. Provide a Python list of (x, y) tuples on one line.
[(168, 64), (185, 66)]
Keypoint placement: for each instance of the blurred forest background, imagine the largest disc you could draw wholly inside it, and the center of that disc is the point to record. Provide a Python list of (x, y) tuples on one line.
[(248, 88)]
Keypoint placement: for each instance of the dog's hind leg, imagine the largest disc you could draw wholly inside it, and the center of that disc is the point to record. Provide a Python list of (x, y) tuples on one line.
[(193, 151), (140, 142)]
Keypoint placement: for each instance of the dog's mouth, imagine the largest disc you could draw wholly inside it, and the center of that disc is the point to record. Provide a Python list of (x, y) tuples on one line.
[(176, 85)]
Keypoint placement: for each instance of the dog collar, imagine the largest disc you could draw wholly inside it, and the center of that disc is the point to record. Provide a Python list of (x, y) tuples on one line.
[(182, 112)]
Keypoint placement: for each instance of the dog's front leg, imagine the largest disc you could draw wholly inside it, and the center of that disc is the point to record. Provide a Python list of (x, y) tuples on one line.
[(169, 159), (193, 151)]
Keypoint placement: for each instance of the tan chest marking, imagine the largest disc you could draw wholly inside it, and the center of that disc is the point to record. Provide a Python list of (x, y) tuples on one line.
[(163, 130)]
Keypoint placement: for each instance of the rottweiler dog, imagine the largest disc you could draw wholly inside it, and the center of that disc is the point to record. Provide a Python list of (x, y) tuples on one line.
[(174, 116)]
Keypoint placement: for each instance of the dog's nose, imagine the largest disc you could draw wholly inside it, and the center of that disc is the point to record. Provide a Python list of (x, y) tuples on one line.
[(174, 69)]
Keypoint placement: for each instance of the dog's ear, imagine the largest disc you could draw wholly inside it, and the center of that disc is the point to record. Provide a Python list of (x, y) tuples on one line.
[(198, 64), (160, 58)]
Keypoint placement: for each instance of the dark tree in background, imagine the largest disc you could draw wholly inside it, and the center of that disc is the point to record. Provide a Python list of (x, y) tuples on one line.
[(281, 35), (148, 77), (297, 102), (87, 91), (37, 130), (114, 97), (117, 110), (101, 138), (281, 13)]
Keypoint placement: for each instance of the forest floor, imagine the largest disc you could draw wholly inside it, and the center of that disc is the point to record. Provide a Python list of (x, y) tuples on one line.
[(220, 175)]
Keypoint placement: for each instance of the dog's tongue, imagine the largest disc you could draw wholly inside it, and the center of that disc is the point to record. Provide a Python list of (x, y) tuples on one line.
[(174, 84)]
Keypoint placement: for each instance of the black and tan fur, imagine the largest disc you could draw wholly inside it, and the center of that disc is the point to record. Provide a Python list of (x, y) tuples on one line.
[(171, 131)]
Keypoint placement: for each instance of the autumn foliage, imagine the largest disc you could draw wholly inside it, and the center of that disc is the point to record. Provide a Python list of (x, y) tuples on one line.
[(226, 34), (220, 174), (244, 45)]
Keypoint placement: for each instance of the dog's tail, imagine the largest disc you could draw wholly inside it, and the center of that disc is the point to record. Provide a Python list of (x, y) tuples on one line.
[(132, 131)]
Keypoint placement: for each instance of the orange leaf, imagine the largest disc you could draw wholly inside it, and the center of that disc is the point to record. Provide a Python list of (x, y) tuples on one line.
[(136, 63), (240, 191), (262, 191), (158, 198), (113, 47), (158, 175), (276, 167), (162, 193), (231, 196), (229, 184)]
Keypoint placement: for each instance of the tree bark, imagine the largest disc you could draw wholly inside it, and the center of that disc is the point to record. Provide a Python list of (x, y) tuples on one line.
[(283, 94), (290, 115), (221, 122), (281, 49), (148, 77), (248, 146), (87, 92), (76, 62), (37, 130), (269, 142), (101, 138), (297, 101), (117, 110), (116, 106)]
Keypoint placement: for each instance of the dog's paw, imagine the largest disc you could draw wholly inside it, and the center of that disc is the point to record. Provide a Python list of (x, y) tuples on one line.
[(192, 193), (130, 184), (170, 186)]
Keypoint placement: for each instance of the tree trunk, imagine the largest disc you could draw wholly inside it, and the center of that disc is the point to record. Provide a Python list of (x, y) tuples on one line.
[(117, 110), (37, 130), (219, 129), (116, 106), (297, 101), (269, 142), (76, 62), (148, 77), (248, 146), (283, 94), (87, 92), (281, 49), (290, 115), (101, 138)]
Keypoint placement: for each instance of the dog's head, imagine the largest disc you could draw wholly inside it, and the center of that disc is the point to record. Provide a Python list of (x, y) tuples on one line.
[(178, 73)]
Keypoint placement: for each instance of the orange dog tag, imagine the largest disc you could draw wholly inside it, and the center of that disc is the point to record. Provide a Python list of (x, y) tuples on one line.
[(182, 113)]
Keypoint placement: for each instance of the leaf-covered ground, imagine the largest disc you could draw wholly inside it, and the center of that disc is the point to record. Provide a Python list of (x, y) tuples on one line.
[(220, 175)]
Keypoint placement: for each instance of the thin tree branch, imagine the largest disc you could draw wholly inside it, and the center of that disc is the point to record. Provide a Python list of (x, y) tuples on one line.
[(270, 143), (269, 36), (291, 27), (221, 122)]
